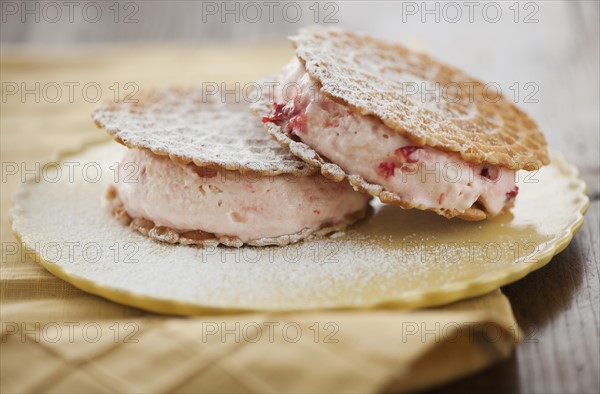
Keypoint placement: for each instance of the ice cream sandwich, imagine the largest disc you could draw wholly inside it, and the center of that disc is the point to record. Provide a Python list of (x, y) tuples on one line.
[(201, 171), (400, 125)]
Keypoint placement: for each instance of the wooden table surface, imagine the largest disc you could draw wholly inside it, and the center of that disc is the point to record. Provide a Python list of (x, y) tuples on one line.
[(559, 305)]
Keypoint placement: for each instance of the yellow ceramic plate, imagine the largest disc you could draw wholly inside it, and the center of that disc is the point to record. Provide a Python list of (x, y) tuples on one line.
[(396, 258)]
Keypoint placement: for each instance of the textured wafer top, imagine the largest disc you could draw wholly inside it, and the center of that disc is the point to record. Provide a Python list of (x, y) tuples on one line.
[(429, 102), (181, 123)]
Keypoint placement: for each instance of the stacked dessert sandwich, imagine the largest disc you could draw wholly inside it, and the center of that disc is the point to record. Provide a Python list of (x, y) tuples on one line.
[(401, 126), (205, 172), (354, 117)]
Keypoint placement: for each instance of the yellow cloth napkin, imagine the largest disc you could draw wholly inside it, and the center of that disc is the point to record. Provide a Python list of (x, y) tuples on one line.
[(56, 338)]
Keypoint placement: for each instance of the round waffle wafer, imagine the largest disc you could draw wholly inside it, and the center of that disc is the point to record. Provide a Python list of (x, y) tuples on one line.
[(426, 101), (190, 126)]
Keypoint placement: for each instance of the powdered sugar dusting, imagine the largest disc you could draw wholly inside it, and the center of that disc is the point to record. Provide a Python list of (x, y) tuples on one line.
[(394, 256)]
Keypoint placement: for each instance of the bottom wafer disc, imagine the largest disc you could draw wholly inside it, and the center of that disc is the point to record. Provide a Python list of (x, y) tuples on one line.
[(394, 257)]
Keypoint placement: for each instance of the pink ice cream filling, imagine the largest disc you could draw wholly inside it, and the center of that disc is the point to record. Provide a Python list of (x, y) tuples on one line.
[(228, 203), (363, 145)]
